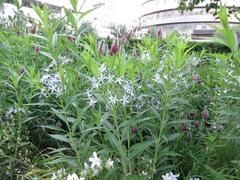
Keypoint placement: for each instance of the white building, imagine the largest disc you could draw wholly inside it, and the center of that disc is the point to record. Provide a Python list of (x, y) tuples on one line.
[(164, 14)]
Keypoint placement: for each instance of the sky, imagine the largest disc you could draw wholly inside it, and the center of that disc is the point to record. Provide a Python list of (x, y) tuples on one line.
[(127, 9)]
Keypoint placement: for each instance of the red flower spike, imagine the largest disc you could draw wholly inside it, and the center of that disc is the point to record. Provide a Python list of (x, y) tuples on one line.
[(71, 38), (196, 78), (58, 124), (205, 113), (184, 128), (196, 124), (134, 130), (159, 33), (37, 48), (33, 29), (115, 47)]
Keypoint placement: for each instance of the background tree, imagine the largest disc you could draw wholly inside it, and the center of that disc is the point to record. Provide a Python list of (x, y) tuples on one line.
[(211, 6)]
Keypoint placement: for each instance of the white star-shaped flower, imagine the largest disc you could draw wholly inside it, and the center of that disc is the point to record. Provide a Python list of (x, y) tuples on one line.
[(170, 176), (96, 162)]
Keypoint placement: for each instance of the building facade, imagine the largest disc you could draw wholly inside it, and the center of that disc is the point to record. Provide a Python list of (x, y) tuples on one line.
[(164, 14)]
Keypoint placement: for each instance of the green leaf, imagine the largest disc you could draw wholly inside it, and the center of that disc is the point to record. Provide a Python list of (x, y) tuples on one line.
[(60, 137), (71, 18), (54, 40), (137, 149), (67, 159), (52, 128)]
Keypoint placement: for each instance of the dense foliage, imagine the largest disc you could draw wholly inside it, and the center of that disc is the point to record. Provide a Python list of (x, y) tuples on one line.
[(71, 106)]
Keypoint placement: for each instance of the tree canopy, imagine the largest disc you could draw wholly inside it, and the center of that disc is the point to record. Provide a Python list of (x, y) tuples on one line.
[(212, 6)]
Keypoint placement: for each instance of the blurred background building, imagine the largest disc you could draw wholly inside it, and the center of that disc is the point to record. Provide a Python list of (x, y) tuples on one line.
[(101, 19), (164, 14)]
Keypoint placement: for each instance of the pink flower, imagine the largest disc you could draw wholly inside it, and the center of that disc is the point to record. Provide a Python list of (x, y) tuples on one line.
[(70, 37), (196, 124), (184, 128), (159, 33), (33, 29), (59, 124), (115, 47), (205, 113), (134, 130), (37, 48), (196, 78)]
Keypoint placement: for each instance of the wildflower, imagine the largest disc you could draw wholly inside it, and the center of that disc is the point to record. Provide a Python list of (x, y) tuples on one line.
[(96, 162), (184, 128), (170, 176), (54, 177), (205, 112), (196, 78), (134, 130), (110, 78), (125, 100), (10, 112), (71, 38), (59, 124), (144, 173), (102, 68), (120, 80), (95, 84), (33, 29), (196, 178), (157, 79), (113, 99), (109, 164), (196, 124), (72, 177), (37, 48), (101, 48), (115, 47), (159, 33), (92, 102)]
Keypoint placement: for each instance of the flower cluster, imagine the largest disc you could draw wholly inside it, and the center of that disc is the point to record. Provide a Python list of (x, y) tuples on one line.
[(12, 111), (91, 169), (52, 83), (119, 90)]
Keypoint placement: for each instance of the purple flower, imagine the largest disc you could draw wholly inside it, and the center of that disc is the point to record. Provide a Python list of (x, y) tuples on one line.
[(205, 112), (115, 47)]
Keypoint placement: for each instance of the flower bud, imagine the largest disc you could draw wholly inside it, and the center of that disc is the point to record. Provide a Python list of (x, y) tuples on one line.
[(59, 124), (37, 48), (196, 78), (159, 33), (134, 130), (115, 47), (205, 113), (196, 124), (33, 29), (71, 38), (184, 128)]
